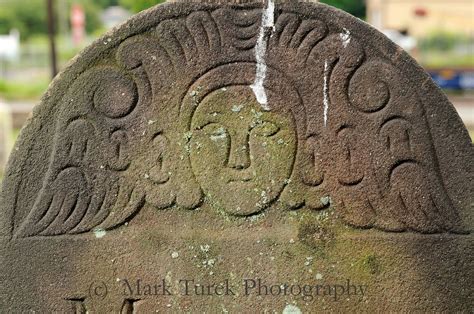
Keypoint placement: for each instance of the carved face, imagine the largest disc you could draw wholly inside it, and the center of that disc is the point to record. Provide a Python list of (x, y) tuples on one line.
[(241, 155)]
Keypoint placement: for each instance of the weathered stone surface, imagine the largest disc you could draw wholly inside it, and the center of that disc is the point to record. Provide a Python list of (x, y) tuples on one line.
[(219, 143), (5, 135)]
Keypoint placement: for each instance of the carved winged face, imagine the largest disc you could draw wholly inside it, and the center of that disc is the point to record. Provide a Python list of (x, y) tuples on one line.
[(365, 133), (241, 155)]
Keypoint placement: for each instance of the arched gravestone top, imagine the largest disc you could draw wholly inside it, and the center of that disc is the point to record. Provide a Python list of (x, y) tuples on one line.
[(239, 113), (162, 112)]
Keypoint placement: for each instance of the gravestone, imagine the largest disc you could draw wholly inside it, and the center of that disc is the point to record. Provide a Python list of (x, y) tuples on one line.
[(240, 158), (5, 135)]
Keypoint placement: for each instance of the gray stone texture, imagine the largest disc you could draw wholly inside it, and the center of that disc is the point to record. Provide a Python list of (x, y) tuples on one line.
[(154, 156)]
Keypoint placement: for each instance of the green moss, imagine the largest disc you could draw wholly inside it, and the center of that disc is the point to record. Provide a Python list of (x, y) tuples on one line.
[(319, 231), (369, 264), (315, 235), (219, 209)]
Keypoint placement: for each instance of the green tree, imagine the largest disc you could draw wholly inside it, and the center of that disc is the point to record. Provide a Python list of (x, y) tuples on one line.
[(28, 19), (106, 3), (139, 5), (354, 7)]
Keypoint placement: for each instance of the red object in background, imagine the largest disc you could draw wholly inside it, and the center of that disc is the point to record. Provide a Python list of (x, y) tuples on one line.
[(78, 23), (421, 12)]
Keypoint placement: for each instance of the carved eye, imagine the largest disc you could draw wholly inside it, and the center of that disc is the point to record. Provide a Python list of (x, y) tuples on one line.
[(266, 129), (215, 131)]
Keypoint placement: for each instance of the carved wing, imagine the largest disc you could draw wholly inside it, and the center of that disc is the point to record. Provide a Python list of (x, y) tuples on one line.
[(385, 172), (85, 186), (368, 149)]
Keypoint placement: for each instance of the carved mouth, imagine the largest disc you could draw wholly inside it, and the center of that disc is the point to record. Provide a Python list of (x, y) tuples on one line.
[(245, 179)]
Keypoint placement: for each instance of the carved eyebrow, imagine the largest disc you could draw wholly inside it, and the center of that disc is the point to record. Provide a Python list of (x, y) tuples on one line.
[(214, 113), (204, 123), (202, 119)]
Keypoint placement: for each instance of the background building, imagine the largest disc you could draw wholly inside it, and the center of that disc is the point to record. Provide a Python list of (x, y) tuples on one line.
[(422, 17)]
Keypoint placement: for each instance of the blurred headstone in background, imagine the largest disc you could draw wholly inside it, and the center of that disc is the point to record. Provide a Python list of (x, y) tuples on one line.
[(9, 49), (113, 16), (5, 134), (10, 45)]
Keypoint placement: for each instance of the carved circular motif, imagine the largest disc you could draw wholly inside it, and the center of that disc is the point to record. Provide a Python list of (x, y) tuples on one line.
[(116, 97), (369, 94)]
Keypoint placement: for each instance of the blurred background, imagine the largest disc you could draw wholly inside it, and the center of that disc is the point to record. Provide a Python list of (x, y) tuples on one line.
[(39, 37)]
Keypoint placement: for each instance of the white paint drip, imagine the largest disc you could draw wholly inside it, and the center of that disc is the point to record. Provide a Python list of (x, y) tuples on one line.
[(345, 37), (325, 91), (99, 233), (237, 108), (291, 309), (219, 135), (268, 21)]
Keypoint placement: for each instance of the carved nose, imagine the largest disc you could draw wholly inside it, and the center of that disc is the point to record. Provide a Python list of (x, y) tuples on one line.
[(239, 159), (239, 155)]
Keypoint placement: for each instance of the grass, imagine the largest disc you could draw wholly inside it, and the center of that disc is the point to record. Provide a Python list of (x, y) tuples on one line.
[(23, 90), (29, 76), (445, 59), (15, 133)]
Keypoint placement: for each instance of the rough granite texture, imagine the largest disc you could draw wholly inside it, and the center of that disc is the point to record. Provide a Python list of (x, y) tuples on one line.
[(292, 147)]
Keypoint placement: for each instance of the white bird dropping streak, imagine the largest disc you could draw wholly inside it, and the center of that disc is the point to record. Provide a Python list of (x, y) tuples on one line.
[(325, 92), (268, 21), (345, 37)]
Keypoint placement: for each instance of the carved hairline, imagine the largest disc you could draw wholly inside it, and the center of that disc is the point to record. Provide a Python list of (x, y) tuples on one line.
[(239, 74)]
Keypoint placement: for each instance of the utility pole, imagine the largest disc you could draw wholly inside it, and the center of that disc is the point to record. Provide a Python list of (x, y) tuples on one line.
[(52, 41)]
